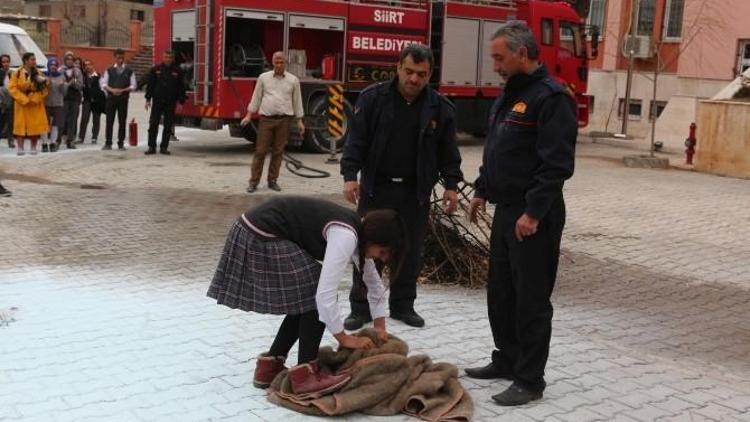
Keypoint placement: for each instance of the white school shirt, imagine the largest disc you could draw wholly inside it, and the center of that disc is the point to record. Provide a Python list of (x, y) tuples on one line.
[(340, 250)]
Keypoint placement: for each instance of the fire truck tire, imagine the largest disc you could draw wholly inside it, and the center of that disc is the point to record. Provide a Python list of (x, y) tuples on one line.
[(319, 140)]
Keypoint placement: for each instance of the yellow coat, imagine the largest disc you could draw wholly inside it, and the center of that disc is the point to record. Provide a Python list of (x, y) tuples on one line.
[(29, 114)]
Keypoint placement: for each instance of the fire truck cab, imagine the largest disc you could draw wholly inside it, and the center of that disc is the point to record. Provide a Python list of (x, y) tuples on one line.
[(338, 47)]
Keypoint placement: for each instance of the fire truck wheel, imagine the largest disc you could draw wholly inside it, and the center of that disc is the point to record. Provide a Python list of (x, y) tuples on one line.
[(319, 140)]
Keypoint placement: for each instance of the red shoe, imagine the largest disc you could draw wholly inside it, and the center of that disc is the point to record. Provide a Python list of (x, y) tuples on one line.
[(307, 378), (266, 369)]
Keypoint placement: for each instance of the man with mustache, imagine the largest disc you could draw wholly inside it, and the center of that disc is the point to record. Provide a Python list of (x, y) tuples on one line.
[(402, 140), (528, 156)]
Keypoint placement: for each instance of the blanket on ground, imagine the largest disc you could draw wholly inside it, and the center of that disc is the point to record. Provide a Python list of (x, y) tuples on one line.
[(384, 382)]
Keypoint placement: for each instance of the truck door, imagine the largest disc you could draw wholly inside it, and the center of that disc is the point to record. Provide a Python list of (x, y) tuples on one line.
[(183, 43)]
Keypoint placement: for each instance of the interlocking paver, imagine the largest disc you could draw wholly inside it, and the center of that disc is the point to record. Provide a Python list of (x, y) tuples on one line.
[(651, 315)]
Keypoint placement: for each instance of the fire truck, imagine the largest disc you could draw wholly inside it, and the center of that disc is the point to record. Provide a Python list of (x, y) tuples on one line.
[(339, 47)]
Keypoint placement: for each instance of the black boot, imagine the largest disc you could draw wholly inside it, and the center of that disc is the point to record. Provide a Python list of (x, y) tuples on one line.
[(355, 321), (45, 148), (516, 395), (4, 192), (150, 151), (488, 372), (409, 317)]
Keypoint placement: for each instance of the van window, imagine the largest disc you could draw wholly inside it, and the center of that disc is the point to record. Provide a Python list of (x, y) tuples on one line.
[(15, 45)]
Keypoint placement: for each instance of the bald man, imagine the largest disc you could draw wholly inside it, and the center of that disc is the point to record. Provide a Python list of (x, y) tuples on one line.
[(278, 99)]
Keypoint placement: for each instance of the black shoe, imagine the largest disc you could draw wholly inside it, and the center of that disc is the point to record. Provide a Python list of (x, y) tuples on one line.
[(274, 186), (150, 151), (5, 192), (252, 188), (488, 372), (410, 318), (52, 147), (355, 322), (516, 395), (45, 148), (11, 143), (121, 147), (164, 151), (107, 147), (70, 145), (93, 142)]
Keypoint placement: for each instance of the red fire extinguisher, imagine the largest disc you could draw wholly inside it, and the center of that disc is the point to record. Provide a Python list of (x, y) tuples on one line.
[(133, 133)]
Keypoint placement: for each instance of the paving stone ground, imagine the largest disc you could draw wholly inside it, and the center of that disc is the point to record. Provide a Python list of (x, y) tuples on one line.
[(107, 257)]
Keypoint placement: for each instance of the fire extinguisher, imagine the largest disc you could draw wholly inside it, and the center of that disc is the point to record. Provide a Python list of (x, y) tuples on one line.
[(133, 133)]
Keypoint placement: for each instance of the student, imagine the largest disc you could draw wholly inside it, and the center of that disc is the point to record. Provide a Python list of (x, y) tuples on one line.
[(55, 103), (73, 96), (270, 265), (117, 82), (94, 102)]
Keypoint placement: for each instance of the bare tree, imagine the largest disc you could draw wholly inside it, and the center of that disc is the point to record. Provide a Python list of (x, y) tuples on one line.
[(704, 24)]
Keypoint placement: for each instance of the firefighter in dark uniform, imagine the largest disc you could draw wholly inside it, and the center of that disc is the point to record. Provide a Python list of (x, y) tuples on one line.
[(402, 140), (165, 87), (528, 155)]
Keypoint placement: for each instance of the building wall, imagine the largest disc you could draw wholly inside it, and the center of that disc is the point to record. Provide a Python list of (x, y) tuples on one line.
[(609, 87), (714, 29), (11, 6), (698, 66), (114, 13)]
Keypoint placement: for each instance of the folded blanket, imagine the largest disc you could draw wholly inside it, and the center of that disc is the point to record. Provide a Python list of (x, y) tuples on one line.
[(384, 382)]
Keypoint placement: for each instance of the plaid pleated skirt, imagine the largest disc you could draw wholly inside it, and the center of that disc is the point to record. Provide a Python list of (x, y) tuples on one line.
[(264, 275)]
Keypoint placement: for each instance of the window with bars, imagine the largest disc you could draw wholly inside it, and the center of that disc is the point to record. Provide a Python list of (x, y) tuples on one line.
[(137, 15), (673, 19), (646, 12), (597, 13)]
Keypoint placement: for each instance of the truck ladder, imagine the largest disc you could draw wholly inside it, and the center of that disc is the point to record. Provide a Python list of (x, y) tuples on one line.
[(203, 39)]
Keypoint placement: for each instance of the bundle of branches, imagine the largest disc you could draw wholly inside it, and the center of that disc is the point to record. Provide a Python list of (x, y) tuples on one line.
[(455, 251)]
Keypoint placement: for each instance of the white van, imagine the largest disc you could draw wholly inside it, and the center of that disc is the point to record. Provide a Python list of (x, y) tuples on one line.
[(14, 42)]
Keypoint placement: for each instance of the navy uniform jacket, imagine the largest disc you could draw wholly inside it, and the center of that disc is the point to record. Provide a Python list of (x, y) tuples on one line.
[(530, 147), (165, 84), (437, 151)]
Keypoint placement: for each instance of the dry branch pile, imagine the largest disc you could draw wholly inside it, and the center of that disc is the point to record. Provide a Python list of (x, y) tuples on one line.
[(455, 251)]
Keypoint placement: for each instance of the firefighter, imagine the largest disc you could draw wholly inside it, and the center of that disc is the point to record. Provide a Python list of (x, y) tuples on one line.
[(164, 84), (117, 82), (278, 99), (402, 139), (528, 155)]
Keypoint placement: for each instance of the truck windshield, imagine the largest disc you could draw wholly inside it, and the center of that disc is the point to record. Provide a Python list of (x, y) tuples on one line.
[(15, 45), (572, 39)]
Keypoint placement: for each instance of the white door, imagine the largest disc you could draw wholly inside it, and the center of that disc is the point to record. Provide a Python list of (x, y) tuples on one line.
[(460, 52)]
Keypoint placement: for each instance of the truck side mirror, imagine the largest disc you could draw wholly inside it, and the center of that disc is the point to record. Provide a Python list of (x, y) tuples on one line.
[(594, 41)]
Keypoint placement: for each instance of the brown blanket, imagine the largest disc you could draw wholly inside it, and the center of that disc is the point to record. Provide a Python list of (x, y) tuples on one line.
[(384, 382)]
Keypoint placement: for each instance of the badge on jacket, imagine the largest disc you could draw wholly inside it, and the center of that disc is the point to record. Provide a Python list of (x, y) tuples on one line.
[(433, 124), (520, 107)]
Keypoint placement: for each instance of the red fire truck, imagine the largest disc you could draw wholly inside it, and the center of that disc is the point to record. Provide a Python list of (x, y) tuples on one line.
[(338, 47)]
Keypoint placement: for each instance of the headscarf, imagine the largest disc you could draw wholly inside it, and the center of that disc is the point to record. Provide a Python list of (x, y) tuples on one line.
[(52, 61)]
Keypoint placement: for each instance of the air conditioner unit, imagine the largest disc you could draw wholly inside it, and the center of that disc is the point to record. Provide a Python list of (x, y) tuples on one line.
[(640, 45)]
